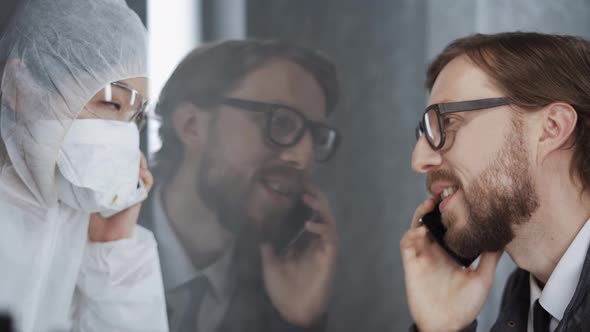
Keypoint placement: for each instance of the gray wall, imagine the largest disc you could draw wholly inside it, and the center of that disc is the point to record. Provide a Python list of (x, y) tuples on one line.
[(381, 48)]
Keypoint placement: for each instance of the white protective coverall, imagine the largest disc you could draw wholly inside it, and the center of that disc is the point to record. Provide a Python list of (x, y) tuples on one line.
[(54, 56)]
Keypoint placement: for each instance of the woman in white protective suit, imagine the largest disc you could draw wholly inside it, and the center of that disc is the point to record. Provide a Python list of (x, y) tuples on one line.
[(73, 77)]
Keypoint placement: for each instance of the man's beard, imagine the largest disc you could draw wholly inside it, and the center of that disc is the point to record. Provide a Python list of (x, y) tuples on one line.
[(503, 195), (230, 194)]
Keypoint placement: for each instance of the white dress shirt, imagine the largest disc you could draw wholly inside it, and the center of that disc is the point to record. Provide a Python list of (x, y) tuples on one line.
[(560, 288), (178, 271)]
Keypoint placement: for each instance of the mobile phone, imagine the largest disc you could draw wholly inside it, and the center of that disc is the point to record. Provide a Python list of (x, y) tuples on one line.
[(437, 230), (291, 233)]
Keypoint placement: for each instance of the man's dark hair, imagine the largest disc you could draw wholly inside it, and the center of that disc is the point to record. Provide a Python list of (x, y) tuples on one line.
[(533, 70), (210, 72)]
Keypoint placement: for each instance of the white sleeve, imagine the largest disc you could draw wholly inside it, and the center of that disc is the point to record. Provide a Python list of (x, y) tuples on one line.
[(120, 287)]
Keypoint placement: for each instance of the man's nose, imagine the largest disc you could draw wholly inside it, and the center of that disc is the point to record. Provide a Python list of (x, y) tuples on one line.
[(424, 158), (300, 156)]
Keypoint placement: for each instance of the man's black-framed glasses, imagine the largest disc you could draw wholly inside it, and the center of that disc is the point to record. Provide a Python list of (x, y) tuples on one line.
[(285, 127), (432, 122)]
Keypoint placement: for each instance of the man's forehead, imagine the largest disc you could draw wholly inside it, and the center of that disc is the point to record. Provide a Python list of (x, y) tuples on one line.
[(285, 82), (462, 80)]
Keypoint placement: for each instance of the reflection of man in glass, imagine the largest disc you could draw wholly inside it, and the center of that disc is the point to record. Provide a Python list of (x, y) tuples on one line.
[(243, 123)]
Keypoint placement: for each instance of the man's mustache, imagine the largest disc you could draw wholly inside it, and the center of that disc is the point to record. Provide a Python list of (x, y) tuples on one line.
[(294, 176), (442, 175)]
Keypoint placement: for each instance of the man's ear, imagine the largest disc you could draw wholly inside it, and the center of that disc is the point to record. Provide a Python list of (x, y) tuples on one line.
[(188, 121), (557, 126)]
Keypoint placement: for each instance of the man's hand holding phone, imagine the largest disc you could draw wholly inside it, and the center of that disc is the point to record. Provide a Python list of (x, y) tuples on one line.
[(299, 285), (442, 295)]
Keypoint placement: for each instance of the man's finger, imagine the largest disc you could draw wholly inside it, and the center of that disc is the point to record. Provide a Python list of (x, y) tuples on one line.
[(321, 207), (317, 228), (326, 233), (488, 261), (413, 239), (410, 246), (311, 188), (426, 206)]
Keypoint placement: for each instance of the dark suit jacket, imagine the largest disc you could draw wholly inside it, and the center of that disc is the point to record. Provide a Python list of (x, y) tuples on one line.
[(250, 310), (514, 309)]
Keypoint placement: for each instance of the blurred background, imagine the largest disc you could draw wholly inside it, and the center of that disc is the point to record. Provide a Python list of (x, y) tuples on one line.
[(381, 48)]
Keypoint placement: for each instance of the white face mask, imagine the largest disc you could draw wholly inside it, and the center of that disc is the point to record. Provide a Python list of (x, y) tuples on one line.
[(99, 167)]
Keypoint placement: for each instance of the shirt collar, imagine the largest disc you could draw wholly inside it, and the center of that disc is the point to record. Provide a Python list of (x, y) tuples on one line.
[(177, 267), (535, 290), (562, 283)]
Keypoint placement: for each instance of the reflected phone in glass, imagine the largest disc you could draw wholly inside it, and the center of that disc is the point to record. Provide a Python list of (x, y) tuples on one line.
[(437, 230), (292, 235)]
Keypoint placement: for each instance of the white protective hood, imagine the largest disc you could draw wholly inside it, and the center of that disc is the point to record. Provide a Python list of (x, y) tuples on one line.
[(54, 56), (57, 54)]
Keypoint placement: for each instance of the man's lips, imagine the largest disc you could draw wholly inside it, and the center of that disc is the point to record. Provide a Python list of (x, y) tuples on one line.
[(446, 197), (443, 192), (282, 180), (284, 186), (436, 188), (440, 190)]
